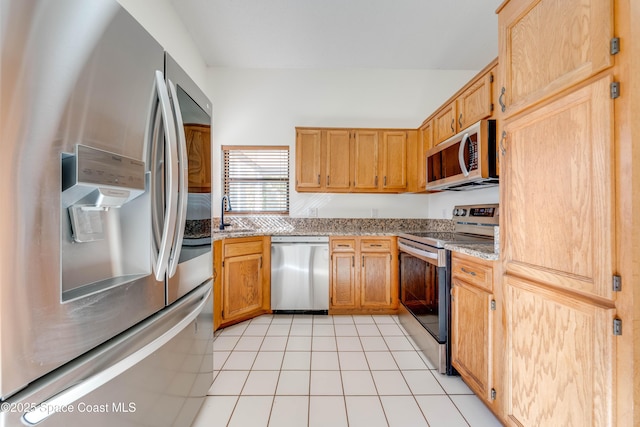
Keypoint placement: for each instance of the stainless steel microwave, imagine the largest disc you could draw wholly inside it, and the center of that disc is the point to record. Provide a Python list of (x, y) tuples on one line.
[(465, 161)]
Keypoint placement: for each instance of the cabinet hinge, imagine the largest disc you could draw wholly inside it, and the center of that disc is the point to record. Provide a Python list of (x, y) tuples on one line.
[(614, 46), (222, 264), (493, 305), (492, 107), (617, 284), (617, 326), (615, 90), (491, 78), (493, 394)]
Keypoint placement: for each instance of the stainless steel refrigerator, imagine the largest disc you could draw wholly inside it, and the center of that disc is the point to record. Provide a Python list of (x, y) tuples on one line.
[(105, 256)]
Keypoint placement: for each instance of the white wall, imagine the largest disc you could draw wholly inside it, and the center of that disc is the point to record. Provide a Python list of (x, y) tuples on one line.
[(262, 107), (159, 18)]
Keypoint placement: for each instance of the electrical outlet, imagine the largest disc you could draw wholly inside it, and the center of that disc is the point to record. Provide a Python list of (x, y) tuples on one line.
[(374, 213), (313, 212)]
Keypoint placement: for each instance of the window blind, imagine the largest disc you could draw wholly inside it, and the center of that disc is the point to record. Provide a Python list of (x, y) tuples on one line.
[(257, 179)]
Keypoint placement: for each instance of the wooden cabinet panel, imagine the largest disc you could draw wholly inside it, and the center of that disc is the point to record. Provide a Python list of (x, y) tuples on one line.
[(475, 103), (444, 123), (308, 159), (343, 280), (242, 289), (242, 269), (561, 357), (394, 160), (472, 336), (364, 274), (365, 146), (338, 173), (548, 46), (558, 197), (425, 143), (375, 280), (474, 273)]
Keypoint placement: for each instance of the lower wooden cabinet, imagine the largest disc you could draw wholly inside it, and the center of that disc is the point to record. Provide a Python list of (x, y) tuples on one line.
[(364, 275), (242, 269), (476, 327)]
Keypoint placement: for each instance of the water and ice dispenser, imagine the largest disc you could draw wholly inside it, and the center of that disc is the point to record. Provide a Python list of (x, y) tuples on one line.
[(105, 216)]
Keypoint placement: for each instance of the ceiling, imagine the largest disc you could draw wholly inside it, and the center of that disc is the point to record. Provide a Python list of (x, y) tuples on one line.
[(337, 34)]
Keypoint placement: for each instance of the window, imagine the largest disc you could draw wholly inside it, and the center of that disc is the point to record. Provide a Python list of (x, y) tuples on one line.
[(257, 178)]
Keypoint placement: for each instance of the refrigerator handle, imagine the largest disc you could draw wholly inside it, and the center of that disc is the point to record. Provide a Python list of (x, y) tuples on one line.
[(171, 167), (183, 182), (72, 394)]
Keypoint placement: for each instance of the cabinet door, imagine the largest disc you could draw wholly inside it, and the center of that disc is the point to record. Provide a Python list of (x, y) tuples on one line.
[(444, 123), (343, 280), (475, 103), (308, 159), (366, 160), (560, 352), (558, 193), (548, 46), (394, 160), (375, 280), (338, 173), (242, 286), (472, 336), (425, 143)]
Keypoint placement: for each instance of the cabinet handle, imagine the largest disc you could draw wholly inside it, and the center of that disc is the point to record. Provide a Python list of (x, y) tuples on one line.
[(385, 181), (318, 179), (362, 261), (502, 139), (328, 180), (375, 245), (376, 182), (343, 246), (260, 262), (353, 260), (464, 270), (500, 99), (453, 121), (460, 120)]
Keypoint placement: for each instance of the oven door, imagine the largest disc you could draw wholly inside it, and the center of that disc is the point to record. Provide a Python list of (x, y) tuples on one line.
[(423, 282)]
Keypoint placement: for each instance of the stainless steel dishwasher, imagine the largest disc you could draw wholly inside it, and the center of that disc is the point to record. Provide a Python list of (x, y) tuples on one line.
[(300, 274)]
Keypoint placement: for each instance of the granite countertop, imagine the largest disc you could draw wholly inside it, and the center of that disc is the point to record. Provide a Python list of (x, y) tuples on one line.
[(478, 250)]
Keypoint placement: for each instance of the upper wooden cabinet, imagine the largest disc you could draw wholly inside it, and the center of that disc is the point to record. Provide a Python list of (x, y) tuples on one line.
[(365, 162), (476, 102), (548, 46), (425, 143), (472, 103), (394, 160), (308, 159), (352, 160), (444, 123), (338, 160)]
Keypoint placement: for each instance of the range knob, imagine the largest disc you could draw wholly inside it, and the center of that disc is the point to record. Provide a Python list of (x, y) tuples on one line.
[(459, 212)]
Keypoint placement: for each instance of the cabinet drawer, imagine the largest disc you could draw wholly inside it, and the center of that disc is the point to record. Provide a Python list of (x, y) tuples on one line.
[(342, 245), (474, 273), (375, 245), (243, 248)]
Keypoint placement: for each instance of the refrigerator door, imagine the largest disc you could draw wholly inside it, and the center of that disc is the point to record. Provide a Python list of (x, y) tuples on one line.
[(191, 260), (155, 374), (74, 73)]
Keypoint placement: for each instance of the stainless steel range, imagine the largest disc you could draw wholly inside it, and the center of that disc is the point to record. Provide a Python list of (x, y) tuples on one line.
[(425, 278)]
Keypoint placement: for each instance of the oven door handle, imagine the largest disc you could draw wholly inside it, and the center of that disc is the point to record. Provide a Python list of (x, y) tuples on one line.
[(430, 257)]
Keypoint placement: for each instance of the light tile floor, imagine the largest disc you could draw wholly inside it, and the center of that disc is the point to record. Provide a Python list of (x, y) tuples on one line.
[(300, 370)]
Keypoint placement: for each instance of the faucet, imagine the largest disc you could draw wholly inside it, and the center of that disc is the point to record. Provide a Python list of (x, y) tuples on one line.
[(222, 224)]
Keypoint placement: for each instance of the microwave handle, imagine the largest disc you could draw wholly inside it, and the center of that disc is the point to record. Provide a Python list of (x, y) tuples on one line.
[(463, 143)]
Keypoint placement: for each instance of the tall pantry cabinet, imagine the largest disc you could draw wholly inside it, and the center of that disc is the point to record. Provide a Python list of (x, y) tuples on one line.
[(565, 181)]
